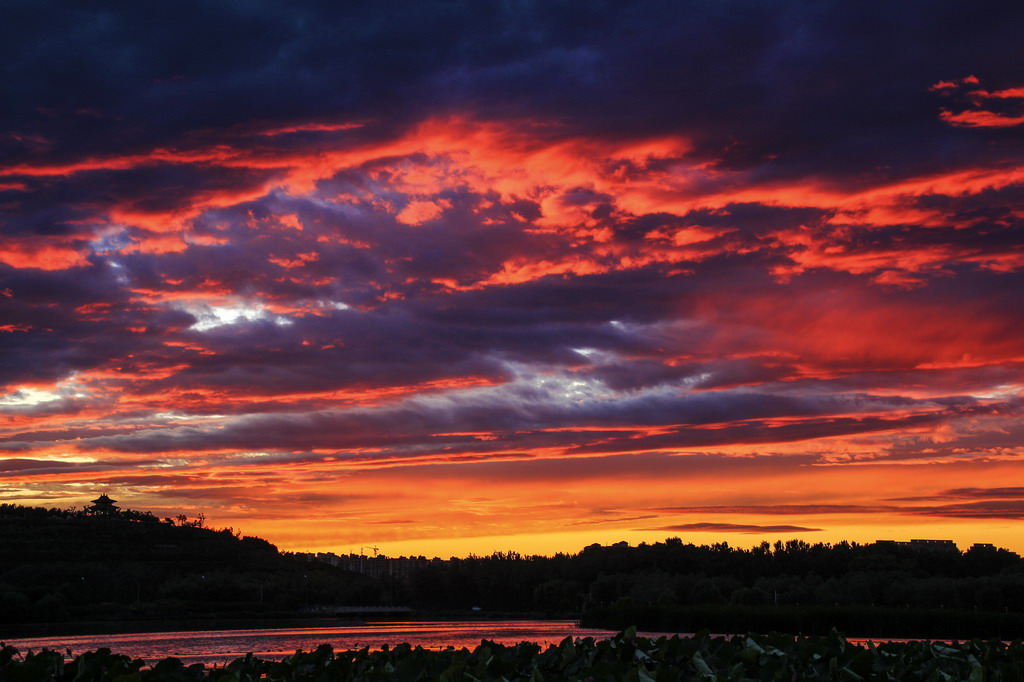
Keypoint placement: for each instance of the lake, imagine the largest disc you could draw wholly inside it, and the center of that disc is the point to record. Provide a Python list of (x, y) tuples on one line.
[(223, 646)]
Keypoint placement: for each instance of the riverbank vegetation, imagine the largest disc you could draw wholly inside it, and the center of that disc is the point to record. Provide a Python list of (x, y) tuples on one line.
[(624, 657), (856, 619)]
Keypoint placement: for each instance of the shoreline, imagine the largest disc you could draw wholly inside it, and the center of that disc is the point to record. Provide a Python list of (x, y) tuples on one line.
[(198, 623)]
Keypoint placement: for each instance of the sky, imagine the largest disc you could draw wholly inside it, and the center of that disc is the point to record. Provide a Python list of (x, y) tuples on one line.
[(461, 277)]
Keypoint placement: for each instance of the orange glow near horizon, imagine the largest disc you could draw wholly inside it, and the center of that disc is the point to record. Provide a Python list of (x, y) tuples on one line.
[(566, 522)]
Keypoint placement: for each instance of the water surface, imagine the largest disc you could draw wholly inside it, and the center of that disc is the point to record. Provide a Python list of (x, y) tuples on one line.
[(223, 646)]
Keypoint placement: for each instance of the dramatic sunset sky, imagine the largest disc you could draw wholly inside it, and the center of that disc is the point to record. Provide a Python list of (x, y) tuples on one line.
[(466, 276)]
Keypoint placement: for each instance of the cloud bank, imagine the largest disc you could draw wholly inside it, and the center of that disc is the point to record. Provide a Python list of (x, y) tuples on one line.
[(350, 262)]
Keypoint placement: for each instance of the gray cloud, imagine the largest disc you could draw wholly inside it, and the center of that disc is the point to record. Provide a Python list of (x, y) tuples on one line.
[(706, 527)]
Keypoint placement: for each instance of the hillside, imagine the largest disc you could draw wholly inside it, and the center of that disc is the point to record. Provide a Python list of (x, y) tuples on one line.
[(59, 565)]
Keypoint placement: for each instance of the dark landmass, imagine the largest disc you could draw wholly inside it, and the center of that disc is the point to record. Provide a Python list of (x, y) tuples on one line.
[(62, 569), (59, 566)]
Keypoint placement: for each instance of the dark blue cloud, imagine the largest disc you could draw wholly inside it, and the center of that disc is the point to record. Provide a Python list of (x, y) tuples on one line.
[(749, 80)]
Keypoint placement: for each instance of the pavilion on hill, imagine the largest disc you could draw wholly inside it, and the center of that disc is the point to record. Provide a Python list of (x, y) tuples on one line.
[(104, 505)]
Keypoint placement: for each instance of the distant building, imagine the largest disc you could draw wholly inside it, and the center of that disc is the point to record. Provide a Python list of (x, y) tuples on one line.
[(104, 505), (988, 547)]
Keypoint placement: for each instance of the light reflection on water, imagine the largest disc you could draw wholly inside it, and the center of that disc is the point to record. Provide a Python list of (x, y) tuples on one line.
[(220, 647), (223, 646)]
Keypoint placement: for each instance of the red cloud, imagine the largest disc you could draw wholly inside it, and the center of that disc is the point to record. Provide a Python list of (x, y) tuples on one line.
[(976, 115)]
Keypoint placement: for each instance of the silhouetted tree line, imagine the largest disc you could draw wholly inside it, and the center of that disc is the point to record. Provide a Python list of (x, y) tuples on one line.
[(59, 565), (793, 573)]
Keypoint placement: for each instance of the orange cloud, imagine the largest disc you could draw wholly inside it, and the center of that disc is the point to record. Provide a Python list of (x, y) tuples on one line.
[(43, 256), (419, 212)]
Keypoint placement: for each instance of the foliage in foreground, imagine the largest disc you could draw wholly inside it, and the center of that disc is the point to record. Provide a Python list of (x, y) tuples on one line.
[(624, 657)]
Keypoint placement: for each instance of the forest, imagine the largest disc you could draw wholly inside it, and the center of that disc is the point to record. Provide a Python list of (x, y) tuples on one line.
[(674, 572), (864, 590)]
